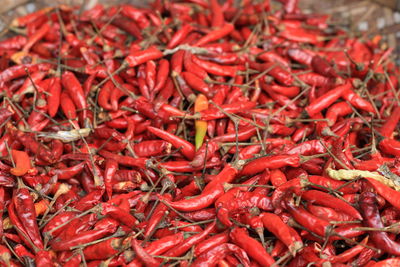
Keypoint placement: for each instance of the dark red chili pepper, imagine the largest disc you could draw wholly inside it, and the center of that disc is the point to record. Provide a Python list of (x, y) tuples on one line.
[(372, 218)]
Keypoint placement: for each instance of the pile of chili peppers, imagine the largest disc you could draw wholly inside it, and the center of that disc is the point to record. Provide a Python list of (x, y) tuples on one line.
[(197, 133)]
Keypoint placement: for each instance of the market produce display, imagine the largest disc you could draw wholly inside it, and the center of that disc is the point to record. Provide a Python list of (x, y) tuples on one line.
[(197, 133)]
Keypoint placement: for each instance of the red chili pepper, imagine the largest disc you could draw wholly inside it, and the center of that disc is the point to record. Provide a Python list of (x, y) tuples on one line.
[(328, 214), (281, 230), (211, 242), (215, 35), (217, 69), (358, 102), (81, 238), (156, 217), (25, 209), (273, 162), (218, 253), (306, 219), (392, 196), (44, 258), (321, 66), (185, 245), (139, 57), (22, 162), (145, 257), (179, 36), (109, 173), (372, 218), (327, 99), (390, 124), (185, 147), (252, 247), (74, 88)]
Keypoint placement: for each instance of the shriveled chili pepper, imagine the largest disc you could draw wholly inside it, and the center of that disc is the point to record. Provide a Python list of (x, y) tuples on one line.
[(216, 254), (372, 219), (25, 209)]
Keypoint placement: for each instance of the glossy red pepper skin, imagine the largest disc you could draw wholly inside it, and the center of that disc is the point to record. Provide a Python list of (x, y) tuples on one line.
[(156, 217), (25, 209), (145, 257), (185, 147), (327, 99), (191, 241), (211, 242), (281, 230), (272, 162), (307, 220), (140, 57), (218, 253), (325, 199), (251, 246), (81, 238), (215, 35)]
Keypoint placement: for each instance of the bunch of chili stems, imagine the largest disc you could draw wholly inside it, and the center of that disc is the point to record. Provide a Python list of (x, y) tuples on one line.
[(197, 133)]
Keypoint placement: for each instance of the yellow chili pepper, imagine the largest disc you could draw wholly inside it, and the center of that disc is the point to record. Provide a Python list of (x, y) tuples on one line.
[(200, 104)]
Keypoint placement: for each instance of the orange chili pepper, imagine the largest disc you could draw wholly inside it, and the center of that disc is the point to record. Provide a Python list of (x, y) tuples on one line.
[(22, 162), (200, 104)]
